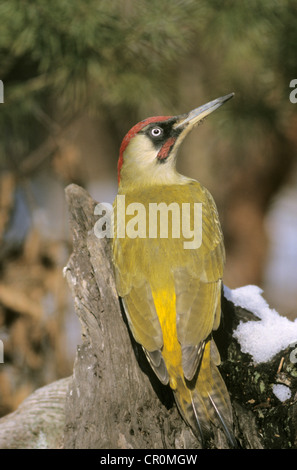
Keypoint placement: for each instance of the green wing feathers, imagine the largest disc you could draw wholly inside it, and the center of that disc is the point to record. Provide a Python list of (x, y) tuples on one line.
[(144, 266), (206, 403)]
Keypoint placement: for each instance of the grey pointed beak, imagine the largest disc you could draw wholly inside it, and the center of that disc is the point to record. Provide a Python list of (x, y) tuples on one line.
[(196, 115)]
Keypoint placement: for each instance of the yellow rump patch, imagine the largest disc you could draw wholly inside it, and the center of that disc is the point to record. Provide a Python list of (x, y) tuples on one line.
[(165, 302)]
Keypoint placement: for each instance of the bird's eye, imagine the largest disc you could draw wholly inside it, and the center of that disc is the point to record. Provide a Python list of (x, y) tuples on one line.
[(156, 131)]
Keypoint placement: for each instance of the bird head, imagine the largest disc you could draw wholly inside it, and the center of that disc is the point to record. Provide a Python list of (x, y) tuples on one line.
[(148, 151)]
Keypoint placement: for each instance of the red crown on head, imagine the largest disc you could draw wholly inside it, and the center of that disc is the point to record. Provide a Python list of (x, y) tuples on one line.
[(132, 133)]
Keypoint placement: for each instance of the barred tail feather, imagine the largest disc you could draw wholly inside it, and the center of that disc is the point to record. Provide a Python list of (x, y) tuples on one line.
[(207, 404), (195, 416), (220, 405)]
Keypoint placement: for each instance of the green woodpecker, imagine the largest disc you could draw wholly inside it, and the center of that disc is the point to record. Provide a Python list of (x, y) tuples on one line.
[(170, 286)]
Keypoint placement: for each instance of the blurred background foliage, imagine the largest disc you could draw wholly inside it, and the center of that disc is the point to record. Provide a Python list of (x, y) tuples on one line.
[(77, 75)]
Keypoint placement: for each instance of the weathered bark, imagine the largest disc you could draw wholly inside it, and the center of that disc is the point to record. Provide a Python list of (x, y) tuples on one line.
[(114, 400), (39, 421)]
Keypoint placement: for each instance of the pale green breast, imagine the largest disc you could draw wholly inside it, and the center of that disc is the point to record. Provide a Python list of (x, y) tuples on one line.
[(187, 217), (146, 267)]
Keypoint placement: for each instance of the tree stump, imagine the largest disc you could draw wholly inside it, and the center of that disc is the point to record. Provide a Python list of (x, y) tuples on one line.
[(115, 401)]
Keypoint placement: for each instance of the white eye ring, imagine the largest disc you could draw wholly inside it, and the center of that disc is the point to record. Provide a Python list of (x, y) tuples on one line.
[(156, 131)]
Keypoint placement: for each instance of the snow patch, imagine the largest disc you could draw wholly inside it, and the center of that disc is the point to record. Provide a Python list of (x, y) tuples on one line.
[(264, 338), (282, 392)]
